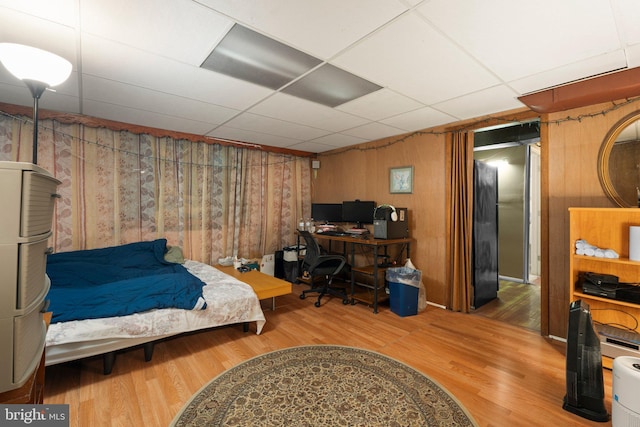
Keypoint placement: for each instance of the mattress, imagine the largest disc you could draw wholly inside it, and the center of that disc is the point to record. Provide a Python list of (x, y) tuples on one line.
[(229, 301)]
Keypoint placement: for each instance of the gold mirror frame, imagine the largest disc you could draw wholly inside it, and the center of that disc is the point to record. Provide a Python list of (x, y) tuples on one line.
[(603, 159)]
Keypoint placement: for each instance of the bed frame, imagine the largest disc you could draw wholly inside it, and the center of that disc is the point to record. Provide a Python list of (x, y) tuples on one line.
[(233, 300)]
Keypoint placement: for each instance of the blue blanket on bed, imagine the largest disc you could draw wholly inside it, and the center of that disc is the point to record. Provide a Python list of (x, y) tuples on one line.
[(117, 281)]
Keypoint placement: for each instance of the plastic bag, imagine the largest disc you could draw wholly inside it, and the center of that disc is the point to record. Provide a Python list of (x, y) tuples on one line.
[(405, 275)]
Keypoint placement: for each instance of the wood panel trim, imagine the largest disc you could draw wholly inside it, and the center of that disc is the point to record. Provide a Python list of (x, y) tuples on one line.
[(544, 227), (605, 88)]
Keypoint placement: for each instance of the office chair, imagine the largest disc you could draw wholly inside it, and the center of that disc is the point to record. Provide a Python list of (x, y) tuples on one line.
[(317, 264)]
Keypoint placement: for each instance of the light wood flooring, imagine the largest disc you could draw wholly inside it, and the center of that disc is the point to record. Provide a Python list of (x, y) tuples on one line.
[(503, 374), (517, 304)]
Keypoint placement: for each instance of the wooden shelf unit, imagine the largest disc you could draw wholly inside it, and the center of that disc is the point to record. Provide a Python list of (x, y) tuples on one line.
[(606, 228), (365, 282)]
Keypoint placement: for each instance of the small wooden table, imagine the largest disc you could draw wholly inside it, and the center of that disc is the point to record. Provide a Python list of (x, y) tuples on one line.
[(263, 285)]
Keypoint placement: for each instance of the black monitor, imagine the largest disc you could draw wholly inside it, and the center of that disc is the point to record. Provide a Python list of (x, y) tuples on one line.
[(585, 386), (326, 212), (358, 211)]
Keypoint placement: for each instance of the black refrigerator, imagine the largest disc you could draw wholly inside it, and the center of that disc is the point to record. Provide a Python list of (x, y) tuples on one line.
[(485, 233)]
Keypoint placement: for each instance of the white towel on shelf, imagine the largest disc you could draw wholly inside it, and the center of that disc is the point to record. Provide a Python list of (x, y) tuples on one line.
[(583, 244), (585, 248)]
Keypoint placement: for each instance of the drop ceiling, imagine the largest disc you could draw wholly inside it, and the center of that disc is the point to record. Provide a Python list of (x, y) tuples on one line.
[(436, 61)]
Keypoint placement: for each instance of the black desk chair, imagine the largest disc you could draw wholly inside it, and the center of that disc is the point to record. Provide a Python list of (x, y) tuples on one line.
[(317, 264)]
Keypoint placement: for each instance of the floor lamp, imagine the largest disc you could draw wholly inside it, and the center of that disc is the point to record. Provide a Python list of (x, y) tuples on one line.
[(39, 70)]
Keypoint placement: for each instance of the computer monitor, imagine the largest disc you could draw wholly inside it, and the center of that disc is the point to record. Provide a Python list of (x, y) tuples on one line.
[(585, 386), (360, 212), (326, 212)]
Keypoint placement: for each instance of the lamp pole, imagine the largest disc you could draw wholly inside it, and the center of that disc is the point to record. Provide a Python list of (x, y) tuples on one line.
[(38, 69), (37, 89)]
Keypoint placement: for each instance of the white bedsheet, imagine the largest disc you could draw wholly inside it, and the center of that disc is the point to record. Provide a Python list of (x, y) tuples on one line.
[(229, 301)]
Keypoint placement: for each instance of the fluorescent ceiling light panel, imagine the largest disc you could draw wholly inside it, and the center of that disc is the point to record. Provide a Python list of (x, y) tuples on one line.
[(330, 86), (250, 56)]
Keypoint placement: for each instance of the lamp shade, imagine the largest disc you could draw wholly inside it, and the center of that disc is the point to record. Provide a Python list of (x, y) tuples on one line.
[(30, 63)]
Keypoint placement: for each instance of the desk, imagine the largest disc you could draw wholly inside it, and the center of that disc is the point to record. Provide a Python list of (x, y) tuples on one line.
[(349, 246), (263, 285)]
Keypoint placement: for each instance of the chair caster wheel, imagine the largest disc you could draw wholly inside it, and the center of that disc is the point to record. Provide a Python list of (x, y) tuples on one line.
[(345, 301), (317, 304), (302, 296)]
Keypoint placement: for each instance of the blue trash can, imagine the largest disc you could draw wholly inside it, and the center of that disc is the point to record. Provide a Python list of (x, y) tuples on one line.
[(404, 286)]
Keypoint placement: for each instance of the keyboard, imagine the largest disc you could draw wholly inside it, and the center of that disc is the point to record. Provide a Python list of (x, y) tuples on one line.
[(333, 233)]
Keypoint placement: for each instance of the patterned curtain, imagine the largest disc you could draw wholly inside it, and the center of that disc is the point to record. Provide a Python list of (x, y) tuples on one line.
[(119, 187)]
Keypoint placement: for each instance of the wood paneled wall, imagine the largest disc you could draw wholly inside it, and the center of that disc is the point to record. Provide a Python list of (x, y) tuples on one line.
[(570, 142), (363, 173), (573, 146)]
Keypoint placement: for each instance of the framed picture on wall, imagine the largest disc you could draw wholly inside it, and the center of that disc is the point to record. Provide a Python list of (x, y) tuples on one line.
[(401, 180)]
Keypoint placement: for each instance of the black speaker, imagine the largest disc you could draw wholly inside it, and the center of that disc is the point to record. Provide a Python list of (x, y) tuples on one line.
[(278, 264)]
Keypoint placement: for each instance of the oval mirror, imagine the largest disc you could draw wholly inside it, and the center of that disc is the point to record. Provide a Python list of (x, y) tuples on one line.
[(619, 162)]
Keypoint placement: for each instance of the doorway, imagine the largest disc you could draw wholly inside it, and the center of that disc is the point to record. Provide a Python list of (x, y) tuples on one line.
[(515, 151)]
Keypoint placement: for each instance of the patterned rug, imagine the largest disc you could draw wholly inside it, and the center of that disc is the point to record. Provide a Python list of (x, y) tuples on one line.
[(322, 386)]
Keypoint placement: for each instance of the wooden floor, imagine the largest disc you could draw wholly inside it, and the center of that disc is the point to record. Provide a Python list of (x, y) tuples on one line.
[(517, 304), (503, 374)]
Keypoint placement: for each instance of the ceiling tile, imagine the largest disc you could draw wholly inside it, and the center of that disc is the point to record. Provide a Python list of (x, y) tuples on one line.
[(493, 100), (419, 119), (235, 134), (312, 147), (379, 105), (438, 61), (492, 32), (339, 140), (58, 11), (287, 107), (373, 131), (162, 31), (165, 75), (320, 28), (633, 56), (144, 118), (413, 2), (627, 15), (138, 98), (267, 125), (410, 57), (589, 67)]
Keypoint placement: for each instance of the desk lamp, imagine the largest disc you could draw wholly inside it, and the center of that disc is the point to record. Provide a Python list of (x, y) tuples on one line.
[(39, 70)]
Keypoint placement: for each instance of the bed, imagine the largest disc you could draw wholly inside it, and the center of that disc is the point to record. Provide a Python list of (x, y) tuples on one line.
[(224, 300)]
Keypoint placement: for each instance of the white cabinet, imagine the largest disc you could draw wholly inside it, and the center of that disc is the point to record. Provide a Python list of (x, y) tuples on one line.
[(27, 194)]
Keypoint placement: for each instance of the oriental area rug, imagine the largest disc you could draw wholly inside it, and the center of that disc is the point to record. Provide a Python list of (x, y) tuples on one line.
[(322, 385)]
